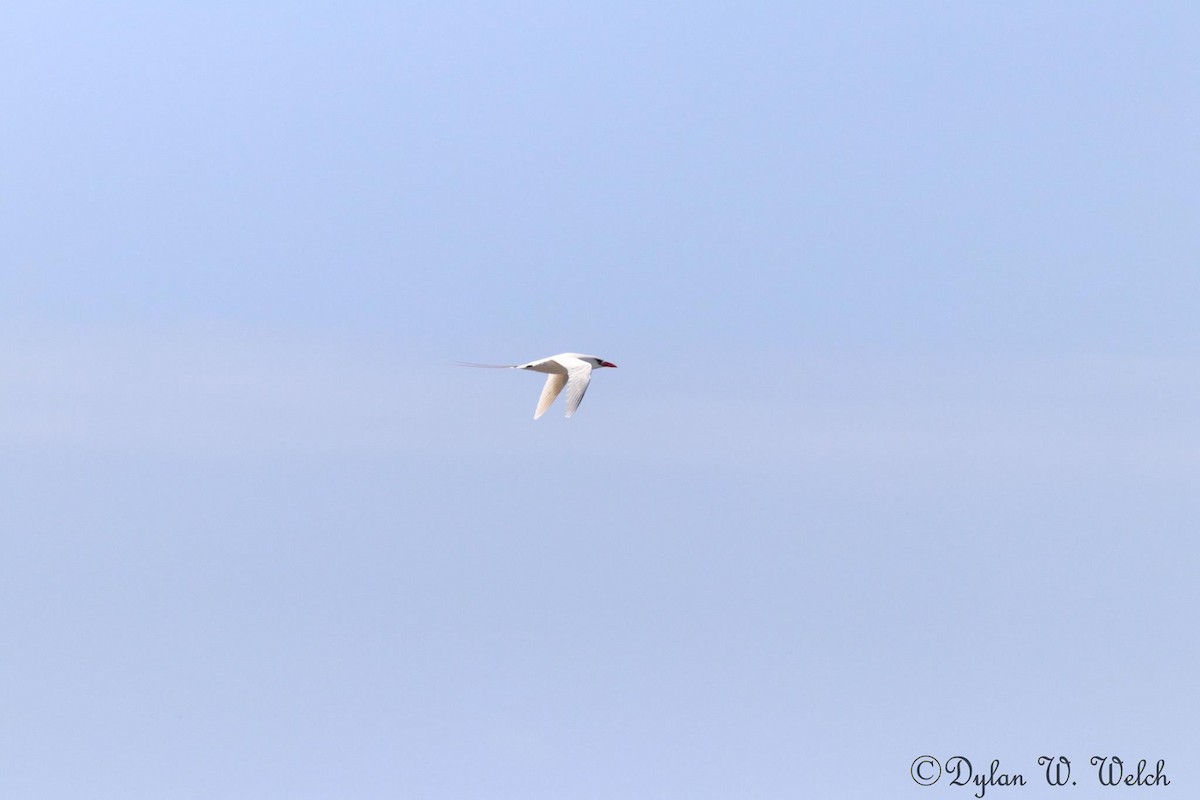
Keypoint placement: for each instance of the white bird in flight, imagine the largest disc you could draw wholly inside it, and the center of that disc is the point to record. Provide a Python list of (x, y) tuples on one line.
[(573, 370)]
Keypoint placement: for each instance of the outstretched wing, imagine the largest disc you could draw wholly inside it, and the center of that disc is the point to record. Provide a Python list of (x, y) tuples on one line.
[(578, 376), (554, 385)]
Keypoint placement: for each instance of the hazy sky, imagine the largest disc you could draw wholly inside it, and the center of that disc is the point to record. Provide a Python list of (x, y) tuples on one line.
[(902, 457)]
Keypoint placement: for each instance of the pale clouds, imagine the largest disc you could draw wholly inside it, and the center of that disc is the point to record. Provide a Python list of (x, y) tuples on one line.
[(817, 412), (235, 389), (199, 388)]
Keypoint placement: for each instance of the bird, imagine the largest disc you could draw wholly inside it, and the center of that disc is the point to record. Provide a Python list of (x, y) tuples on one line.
[(572, 370)]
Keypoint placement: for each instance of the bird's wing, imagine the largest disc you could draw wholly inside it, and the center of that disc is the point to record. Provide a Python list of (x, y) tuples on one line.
[(554, 385), (579, 375)]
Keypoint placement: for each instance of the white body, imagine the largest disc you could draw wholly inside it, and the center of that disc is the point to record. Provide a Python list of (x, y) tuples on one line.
[(572, 370)]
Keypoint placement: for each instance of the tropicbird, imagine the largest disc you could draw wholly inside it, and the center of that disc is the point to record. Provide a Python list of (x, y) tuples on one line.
[(573, 370)]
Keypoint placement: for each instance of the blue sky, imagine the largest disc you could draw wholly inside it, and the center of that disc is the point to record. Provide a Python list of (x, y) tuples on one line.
[(901, 456)]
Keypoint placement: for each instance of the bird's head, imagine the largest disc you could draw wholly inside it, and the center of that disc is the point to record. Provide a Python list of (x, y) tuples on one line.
[(600, 362)]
